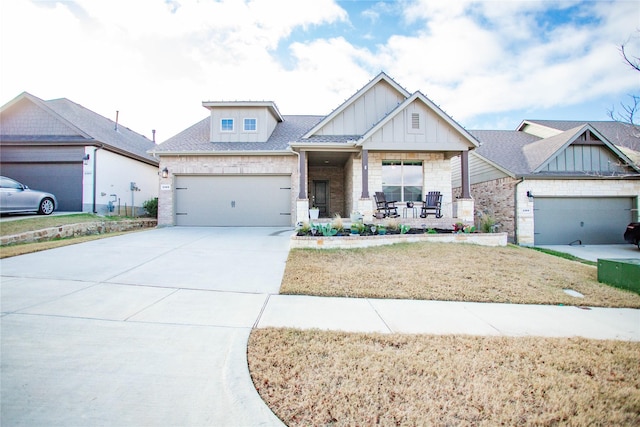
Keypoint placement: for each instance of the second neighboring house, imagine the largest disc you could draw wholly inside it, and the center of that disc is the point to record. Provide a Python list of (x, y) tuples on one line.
[(248, 165), (557, 182), (91, 163)]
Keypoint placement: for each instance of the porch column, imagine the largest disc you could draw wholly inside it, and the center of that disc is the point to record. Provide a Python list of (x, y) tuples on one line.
[(302, 172), (464, 170), (365, 174)]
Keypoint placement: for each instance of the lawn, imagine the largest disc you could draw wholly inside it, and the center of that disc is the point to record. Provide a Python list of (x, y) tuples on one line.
[(348, 379), (449, 272), (340, 379)]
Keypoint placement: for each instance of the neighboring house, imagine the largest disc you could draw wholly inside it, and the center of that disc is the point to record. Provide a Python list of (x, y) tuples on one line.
[(89, 162), (557, 182), (246, 164)]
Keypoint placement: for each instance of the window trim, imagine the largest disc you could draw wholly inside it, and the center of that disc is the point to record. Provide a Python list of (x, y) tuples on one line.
[(402, 185), (233, 125), (244, 125)]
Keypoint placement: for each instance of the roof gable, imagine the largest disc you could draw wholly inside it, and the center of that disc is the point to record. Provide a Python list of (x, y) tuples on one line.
[(29, 115), (419, 121), (363, 109), (581, 149), (28, 118)]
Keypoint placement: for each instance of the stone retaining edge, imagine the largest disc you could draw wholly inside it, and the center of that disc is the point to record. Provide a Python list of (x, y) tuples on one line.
[(79, 229), (334, 242)]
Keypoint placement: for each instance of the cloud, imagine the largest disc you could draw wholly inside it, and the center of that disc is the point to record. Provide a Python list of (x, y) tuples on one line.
[(155, 60)]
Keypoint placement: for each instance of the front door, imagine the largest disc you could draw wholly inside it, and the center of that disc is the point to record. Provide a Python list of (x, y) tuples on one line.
[(321, 197)]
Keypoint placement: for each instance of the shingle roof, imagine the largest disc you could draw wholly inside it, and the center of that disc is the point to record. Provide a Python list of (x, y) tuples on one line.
[(196, 138), (505, 148), (102, 129), (80, 125), (622, 134)]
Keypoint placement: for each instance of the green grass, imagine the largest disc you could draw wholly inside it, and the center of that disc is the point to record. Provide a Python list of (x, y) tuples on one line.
[(565, 256)]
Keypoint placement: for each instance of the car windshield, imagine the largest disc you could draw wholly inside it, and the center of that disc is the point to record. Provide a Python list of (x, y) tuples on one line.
[(9, 183)]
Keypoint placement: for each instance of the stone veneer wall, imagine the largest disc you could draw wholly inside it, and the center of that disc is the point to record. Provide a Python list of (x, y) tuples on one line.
[(81, 229), (219, 165), (495, 198)]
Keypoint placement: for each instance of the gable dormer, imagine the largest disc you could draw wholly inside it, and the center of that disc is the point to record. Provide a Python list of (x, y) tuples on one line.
[(242, 121)]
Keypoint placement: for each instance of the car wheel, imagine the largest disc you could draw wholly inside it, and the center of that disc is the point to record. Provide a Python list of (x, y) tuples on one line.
[(46, 207)]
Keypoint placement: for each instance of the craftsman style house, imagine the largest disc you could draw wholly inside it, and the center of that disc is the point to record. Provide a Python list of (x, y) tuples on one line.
[(557, 182), (247, 164)]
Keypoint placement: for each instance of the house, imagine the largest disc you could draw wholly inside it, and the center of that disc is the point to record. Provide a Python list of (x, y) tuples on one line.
[(246, 164), (557, 182), (89, 162)]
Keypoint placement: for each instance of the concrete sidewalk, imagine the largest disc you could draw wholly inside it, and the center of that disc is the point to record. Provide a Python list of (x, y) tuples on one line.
[(151, 328), (444, 317)]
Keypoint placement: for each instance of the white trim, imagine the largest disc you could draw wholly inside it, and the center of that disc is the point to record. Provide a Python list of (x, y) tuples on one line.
[(244, 125), (233, 125)]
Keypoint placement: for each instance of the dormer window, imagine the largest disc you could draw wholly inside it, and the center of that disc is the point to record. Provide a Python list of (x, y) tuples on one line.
[(250, 125), (226, 125)]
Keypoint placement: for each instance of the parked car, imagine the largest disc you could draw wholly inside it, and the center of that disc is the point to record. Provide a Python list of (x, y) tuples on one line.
[(17, 197), (632, 235)]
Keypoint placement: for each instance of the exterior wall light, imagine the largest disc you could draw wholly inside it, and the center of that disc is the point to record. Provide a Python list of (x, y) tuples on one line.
[(530, 195), (85, 159), (165, 173)]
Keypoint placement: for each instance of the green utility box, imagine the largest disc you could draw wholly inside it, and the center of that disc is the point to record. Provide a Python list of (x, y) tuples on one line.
[(622, 273)]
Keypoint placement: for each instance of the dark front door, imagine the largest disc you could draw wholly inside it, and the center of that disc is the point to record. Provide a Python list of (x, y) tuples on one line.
[(321, 197)]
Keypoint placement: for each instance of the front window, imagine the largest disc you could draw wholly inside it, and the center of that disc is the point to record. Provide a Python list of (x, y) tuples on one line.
[(226, 125), (402, 180)]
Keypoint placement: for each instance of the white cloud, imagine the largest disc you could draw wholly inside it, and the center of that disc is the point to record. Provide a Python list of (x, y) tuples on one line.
[(155, 61)]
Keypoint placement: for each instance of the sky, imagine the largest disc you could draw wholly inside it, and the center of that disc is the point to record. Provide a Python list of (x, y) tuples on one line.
[(488, 64)]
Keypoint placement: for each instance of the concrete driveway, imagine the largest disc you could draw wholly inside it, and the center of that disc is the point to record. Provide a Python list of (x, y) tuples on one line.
[(593, 252), (148, 328)]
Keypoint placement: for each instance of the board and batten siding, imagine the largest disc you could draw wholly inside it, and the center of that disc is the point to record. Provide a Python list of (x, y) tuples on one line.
[(365, 112), (584, 158), (266, 123), (479, 171)]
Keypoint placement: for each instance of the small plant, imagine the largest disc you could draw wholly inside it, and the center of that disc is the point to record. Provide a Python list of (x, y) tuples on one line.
[(151, 206), (382, 229), (469, 229), (432, 231), (304, 228), (337, 223), (487, 223), (357, 227), (392, 224), (404, 228), (328, 230), (458, 227)]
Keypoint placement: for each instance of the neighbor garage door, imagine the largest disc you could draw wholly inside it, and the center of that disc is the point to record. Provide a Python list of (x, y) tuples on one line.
[(232, 200), (584, 220)]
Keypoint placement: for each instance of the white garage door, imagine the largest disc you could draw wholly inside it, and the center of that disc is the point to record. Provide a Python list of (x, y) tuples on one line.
[(581, 220), (233, 200)]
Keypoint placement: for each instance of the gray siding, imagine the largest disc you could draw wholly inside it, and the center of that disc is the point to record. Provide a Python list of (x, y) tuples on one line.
[(585, 158)]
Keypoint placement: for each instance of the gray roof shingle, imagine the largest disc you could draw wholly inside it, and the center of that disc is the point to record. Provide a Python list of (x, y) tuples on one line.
[(505, 148), (196, 138), (622, 134)]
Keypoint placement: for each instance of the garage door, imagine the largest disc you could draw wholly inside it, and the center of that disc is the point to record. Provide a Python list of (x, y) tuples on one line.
[(64, 180), (248, 200), (582, 220)]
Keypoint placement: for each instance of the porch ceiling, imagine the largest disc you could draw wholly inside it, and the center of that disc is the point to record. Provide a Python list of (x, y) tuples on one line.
[(327, 158)]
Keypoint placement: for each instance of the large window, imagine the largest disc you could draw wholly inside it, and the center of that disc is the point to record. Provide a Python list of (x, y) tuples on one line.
[(226, 125), (402, 180)]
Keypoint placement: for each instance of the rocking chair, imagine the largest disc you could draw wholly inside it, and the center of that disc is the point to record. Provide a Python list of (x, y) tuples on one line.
[(386, 208), (432, 205)]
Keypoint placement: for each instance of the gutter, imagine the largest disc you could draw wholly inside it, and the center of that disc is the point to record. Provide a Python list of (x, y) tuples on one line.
[(95, 176), (515, 212)]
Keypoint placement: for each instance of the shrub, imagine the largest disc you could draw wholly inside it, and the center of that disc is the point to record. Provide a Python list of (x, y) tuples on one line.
[(151, 206)]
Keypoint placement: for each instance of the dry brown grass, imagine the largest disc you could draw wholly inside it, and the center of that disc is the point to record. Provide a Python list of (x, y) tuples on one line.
[(449, 272), (28, 248), (332, 378)]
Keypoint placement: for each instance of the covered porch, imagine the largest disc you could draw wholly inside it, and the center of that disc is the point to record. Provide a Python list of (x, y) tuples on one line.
[(342, 180)]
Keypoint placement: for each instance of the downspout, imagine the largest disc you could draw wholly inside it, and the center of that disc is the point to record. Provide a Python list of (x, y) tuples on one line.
[(515, 213), (95, 185)]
